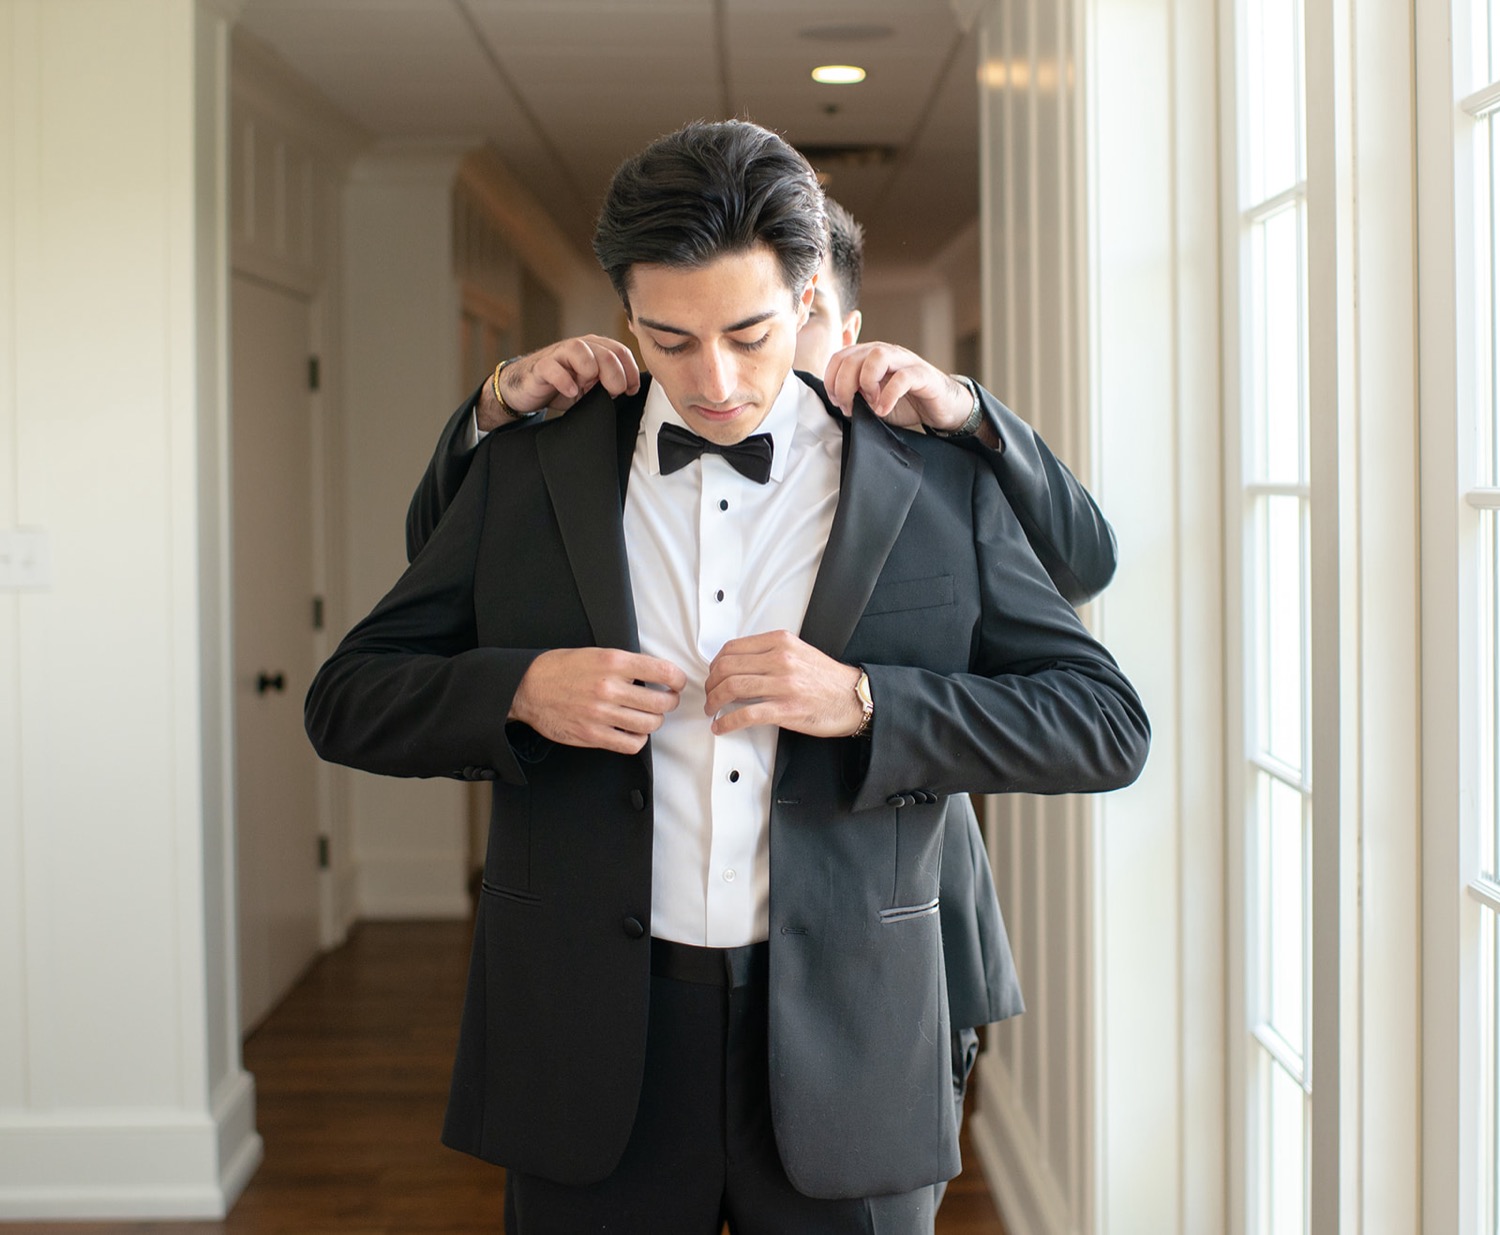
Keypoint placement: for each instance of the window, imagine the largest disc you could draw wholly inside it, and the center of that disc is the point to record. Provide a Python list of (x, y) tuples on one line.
[(1272, 527), (1479, 139)]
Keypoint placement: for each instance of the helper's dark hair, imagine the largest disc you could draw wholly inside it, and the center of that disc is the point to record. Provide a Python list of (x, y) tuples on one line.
[(709, 190), (846, 254)]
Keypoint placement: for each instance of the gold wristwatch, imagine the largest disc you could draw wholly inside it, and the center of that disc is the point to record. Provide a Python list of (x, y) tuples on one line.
[(866, 703)]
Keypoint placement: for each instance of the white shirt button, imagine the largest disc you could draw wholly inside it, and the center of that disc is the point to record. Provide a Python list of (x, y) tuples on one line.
[(729, 876)]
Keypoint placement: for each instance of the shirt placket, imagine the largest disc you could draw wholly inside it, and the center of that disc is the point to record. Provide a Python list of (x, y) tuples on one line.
[(729, 891)]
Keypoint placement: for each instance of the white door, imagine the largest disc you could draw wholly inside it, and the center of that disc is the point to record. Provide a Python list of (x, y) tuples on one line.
[(275, 780)]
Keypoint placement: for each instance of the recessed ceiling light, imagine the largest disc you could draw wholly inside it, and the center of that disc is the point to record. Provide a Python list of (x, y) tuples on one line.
[(838, 74)]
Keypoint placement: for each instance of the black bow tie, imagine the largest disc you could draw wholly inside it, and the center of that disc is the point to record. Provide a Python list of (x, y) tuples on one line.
[(676, 447)]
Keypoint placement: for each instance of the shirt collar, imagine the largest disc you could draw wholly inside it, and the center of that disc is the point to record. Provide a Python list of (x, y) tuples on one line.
[(780, 422)]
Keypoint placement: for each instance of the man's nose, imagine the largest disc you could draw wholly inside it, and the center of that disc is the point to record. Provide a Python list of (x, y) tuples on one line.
[(717, 378)]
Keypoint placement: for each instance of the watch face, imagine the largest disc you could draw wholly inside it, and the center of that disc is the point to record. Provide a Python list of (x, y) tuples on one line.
[(862, 689)]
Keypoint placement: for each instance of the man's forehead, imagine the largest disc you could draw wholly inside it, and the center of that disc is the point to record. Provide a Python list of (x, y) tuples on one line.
[(730, 293)]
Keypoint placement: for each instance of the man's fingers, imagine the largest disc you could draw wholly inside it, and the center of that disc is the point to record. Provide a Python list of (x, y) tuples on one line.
[(618, 370), (615, 376), (739, 686), (559, 375), (605, 738), (600, 697), (751, 714), (638, 667), (891, 391)]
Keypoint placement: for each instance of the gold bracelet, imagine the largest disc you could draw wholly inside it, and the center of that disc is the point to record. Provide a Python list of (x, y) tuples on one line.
[(500, 398)]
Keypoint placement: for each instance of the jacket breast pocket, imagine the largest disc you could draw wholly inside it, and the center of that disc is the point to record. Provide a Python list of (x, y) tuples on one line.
[(902, 595)]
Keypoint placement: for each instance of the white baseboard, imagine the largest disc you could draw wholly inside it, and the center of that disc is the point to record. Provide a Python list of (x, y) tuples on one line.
[(1026, 1193), (137, 1164)]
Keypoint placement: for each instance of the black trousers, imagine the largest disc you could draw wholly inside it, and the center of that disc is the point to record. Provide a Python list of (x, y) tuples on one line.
[(702, 1151)]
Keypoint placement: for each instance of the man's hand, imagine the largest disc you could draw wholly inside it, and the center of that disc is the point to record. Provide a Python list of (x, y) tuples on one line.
[(558, 376), (597, 697), (898, 385), (782, 681)]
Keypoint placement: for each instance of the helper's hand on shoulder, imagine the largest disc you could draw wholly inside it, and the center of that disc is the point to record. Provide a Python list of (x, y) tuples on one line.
[(898, 385), (598, 697), (780, 680), (557, 376)]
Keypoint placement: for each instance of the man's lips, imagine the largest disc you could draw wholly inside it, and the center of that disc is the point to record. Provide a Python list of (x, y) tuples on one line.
[(727, 413)]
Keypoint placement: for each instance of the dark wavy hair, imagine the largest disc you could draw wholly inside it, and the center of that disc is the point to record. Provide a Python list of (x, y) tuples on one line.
[(708, 190), (846, 254)]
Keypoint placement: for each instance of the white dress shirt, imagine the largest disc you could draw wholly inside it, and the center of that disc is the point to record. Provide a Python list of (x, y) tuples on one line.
[(714, 556)]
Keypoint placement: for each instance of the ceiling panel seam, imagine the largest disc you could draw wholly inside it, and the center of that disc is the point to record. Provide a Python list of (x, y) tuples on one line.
[(903, 153), (579, 197)]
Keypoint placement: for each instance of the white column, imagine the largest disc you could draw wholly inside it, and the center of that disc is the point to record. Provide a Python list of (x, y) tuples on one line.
[(401, 322), (121, 1087)]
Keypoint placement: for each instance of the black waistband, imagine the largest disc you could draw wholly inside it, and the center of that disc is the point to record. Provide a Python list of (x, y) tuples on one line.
[(722, 967)]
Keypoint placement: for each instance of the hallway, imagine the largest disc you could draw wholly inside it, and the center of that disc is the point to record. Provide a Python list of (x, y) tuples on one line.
[(351, 1072)]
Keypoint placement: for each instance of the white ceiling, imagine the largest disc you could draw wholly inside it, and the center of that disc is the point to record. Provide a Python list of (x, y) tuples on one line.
[(565, 89)]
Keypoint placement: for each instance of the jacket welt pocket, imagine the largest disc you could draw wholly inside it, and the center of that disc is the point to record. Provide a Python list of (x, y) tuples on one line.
[(903, 594), (509, 894), (905, 913)]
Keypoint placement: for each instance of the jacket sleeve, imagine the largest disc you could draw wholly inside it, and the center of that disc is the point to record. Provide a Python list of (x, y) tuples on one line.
[(1043, 708), (444, 475), (409, 692), (1067, 531)]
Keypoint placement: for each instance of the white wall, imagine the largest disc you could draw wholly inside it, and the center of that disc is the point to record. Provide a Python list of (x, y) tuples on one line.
[(1101, 1108), (401, 365), (402, 294), (121, 1090), (925, 308)]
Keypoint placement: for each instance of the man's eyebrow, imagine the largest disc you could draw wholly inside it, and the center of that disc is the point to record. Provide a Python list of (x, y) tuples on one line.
[(744, 325)]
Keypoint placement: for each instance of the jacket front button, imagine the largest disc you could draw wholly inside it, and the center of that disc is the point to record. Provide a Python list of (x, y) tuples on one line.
[(633, 927), (637, 799)]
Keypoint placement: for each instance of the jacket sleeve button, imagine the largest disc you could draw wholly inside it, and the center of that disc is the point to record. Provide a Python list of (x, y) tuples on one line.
[(632, 927), (637, 799)]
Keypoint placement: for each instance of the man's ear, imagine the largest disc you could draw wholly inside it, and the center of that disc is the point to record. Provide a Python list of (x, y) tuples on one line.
[(852, 324), (804, 302)]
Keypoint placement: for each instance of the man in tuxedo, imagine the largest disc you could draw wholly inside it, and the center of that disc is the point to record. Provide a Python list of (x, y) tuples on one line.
[(708, 976), (1063, 525)]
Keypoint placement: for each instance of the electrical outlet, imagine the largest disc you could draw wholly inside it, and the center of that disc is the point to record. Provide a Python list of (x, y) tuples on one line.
[(25, 560)]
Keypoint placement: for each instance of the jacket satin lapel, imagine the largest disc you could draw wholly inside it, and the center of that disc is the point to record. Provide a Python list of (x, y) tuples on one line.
[(580, 459), (881, 476), (880, 480)]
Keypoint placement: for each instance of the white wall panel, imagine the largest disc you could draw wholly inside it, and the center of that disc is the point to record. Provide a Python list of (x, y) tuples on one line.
[(1098, 330), (118, 1017), (17, 84), (402, 363)]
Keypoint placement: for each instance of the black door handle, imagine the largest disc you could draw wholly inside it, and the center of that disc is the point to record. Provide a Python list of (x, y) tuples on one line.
[(266, 682)]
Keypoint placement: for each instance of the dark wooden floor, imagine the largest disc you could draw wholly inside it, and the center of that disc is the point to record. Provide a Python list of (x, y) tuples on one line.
[(351, 1074)]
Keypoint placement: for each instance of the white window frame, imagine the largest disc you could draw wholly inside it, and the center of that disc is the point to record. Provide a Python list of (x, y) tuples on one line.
[(1457, 902), (1335, 839)]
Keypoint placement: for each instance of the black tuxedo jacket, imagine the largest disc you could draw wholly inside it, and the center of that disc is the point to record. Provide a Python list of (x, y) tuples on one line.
[(1075, 544), (997, 688)]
